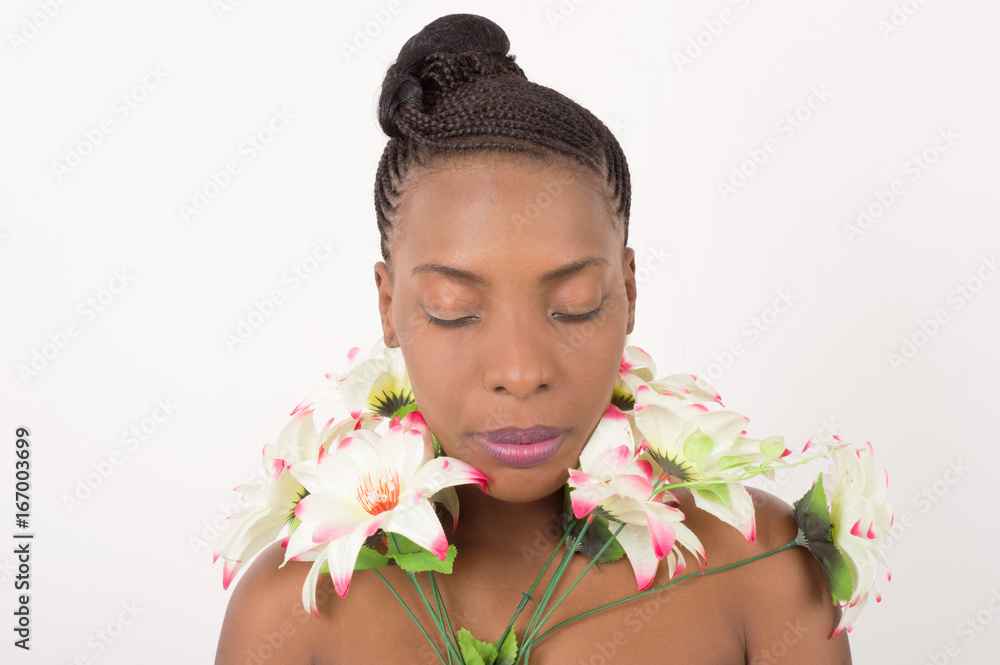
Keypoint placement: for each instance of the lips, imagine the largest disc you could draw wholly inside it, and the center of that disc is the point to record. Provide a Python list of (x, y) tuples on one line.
[(521, 436), (521, 447)]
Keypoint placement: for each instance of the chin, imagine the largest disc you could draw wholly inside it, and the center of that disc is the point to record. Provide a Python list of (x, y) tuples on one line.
[(504, 492), (526, 485)]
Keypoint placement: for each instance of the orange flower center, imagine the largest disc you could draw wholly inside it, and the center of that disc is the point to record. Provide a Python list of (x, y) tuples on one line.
[(378, 491)]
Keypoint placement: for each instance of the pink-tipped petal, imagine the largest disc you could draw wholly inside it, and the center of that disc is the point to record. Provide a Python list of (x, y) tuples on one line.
[(420, 524), (229, 569), (582, 505), (661, 534)]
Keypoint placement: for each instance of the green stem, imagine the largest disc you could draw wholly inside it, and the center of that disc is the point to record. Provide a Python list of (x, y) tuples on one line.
[(534, 624), (703, 482), (668, 584), (434, 615), (590, 565), (439, 599), (412, 616), (527, 595)]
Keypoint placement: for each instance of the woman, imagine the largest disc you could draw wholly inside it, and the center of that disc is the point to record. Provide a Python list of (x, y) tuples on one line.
[(509, 287)]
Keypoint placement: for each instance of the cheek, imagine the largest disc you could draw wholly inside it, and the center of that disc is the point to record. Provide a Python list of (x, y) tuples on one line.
[(592, 350), (435, 372)]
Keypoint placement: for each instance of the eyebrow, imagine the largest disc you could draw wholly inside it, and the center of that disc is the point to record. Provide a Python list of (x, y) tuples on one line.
[(473, 278)]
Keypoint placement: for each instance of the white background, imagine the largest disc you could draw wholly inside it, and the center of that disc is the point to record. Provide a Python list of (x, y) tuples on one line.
[(883, 77)]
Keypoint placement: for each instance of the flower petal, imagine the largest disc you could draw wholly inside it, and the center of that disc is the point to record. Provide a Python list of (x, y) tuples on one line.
[(638, 546), (331, 516), (420, 524), (343, 554)]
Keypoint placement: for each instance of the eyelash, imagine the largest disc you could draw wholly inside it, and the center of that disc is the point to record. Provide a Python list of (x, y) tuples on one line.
[(568, 318)]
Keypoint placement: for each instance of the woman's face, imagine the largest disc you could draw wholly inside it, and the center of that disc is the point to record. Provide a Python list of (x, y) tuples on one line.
[(510, 297)]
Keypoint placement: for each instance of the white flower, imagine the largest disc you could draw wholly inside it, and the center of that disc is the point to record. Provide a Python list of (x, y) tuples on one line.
[(847, 509), (613, 480), (366, 483), (269, 501), (705, 449)]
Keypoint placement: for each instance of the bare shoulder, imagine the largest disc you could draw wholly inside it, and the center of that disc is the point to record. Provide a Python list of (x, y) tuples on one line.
[(783, 601), (265, 620)]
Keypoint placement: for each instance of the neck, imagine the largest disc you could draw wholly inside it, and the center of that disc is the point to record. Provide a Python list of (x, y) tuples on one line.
[(490, 526)]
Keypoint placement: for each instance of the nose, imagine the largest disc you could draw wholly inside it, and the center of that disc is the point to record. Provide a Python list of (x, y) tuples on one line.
[(519, 362)]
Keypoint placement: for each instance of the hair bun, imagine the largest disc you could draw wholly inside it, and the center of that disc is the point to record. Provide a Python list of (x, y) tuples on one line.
[(455, 33), (451, 34)]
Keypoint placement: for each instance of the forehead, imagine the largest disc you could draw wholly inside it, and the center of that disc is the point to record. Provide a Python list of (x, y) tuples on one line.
[(510, 208)]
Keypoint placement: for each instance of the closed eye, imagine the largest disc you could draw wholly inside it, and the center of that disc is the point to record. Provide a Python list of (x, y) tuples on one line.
[(450, 323), (586, 316), (561, 316)]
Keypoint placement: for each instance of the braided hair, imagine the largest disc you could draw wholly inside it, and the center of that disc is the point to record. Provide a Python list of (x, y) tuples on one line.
[(454, 90)]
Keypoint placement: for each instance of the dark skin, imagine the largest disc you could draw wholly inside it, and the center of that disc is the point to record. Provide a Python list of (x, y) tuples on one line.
[(518, 358)]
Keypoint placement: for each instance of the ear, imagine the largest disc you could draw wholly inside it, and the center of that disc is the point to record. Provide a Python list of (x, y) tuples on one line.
[(628, 273), (383, 283)]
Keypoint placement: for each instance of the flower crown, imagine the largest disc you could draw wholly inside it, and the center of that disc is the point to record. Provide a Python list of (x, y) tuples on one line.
[(360, 492)]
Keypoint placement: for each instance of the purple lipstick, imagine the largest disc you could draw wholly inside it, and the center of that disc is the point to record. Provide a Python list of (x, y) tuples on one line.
[(521, 447)]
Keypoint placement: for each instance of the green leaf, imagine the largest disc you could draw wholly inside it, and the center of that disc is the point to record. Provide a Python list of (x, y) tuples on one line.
[(419, 562), (293, 524), (475, 652), (508, 649), (729, 461), (398, 544), (716, 493), (697, 446), (598, 533), (369, 558), (773, 446), (813, 518), (812, 514), (414, 558), (405, 409), (835, 568)]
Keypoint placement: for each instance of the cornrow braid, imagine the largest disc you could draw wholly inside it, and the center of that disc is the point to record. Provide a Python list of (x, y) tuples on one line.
[(454, 89)]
